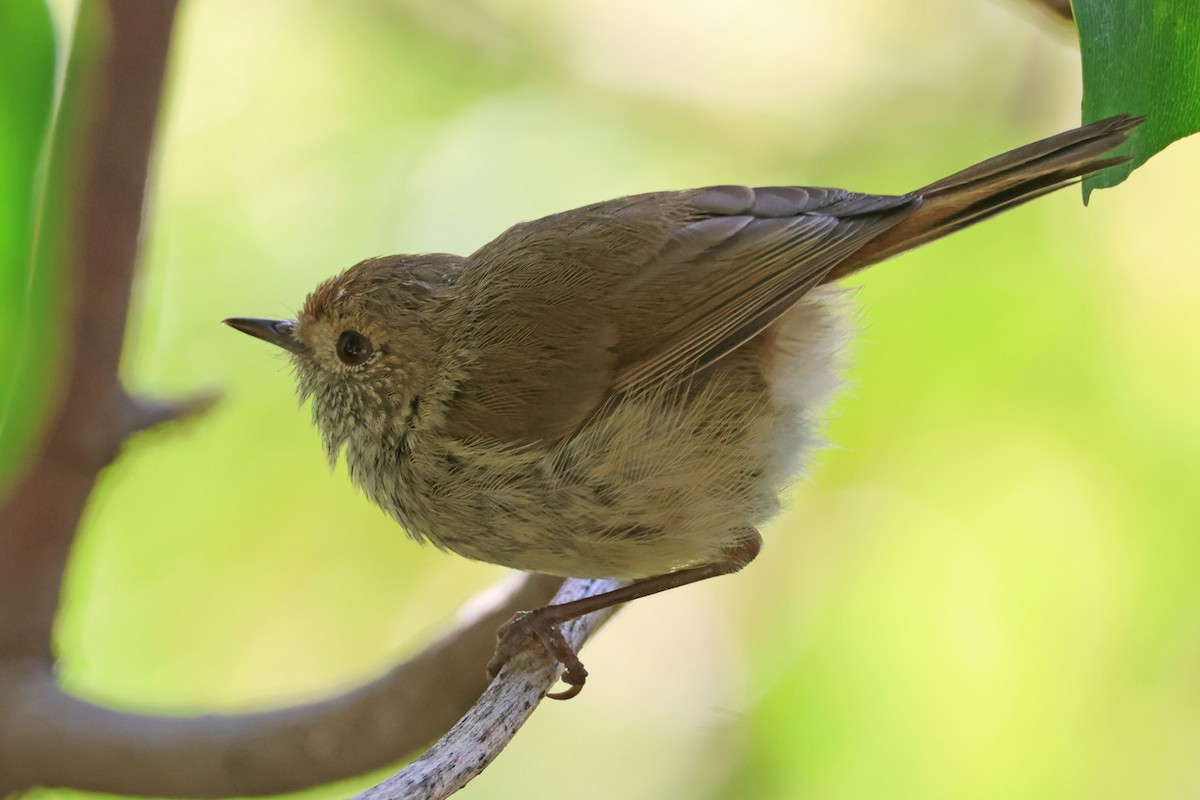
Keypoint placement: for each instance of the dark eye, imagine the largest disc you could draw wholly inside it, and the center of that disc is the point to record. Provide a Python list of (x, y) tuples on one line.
[(353, 348)]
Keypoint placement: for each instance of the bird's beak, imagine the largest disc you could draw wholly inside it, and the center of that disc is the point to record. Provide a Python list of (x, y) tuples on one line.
[(276, 331)]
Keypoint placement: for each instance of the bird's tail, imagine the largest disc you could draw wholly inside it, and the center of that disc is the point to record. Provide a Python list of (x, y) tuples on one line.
[(996, 185)]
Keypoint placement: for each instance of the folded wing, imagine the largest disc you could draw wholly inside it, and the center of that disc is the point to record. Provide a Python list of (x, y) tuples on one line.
[(566, 310)]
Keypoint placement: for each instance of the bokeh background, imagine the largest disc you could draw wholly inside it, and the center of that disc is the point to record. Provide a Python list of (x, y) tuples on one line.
[(987, 588)]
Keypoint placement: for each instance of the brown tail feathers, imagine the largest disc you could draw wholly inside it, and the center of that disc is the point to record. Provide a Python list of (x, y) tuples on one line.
[(997, 184)]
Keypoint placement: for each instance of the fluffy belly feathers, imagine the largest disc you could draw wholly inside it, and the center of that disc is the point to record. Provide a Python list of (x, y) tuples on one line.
[(655, 482)]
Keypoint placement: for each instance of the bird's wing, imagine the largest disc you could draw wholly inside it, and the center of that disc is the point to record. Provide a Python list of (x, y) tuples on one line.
[(564, 311)]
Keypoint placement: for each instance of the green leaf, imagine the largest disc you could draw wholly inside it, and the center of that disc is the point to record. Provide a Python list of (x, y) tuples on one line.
[(26, 104), (1140, 57)]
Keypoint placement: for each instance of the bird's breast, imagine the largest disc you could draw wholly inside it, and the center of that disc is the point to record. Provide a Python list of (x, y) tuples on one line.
[(663, 478)]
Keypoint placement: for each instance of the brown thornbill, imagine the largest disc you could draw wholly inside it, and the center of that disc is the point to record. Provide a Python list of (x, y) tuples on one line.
[(621, 390)]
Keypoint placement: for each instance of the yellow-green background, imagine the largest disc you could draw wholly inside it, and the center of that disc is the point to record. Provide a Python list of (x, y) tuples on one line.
[(986, 589)]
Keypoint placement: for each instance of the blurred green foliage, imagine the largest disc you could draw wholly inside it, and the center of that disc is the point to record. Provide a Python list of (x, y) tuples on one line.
[(986, 589), (27, 305), (1140, 57)]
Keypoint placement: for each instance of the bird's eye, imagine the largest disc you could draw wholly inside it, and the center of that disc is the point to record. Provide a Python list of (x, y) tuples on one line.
[(353, 348)]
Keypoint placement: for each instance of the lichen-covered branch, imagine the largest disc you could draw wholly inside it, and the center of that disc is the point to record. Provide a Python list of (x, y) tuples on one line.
[(475, 741)]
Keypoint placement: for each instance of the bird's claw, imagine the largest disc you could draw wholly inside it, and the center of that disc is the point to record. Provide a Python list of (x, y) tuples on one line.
[(529, 629)]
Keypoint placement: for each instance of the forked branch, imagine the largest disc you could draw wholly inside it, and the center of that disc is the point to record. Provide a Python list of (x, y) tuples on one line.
[(51, 739)]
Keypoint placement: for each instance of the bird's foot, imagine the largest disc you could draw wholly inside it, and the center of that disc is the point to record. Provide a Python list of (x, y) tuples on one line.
[(530, 629)]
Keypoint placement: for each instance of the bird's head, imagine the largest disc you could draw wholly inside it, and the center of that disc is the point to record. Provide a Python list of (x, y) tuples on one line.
[(363, 344)]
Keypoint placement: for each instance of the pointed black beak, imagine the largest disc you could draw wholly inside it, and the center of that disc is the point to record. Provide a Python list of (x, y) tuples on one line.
[(276, 331)]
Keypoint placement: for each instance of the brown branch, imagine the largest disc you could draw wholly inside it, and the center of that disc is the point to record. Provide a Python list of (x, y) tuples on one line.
[(1059, 8), (144, 413), (49, 738), (39, 519), (52, 739)]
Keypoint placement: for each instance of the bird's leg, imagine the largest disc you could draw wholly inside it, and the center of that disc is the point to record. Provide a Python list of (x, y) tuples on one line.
[(541, 625)]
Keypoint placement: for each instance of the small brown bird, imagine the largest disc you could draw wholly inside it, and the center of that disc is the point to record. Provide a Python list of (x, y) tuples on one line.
[(621, 390)]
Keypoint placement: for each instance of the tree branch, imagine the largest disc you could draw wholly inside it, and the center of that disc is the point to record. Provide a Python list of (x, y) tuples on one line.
[(144, 413), (108, 177), (475, 741), (51, 739), (1059, 8)]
